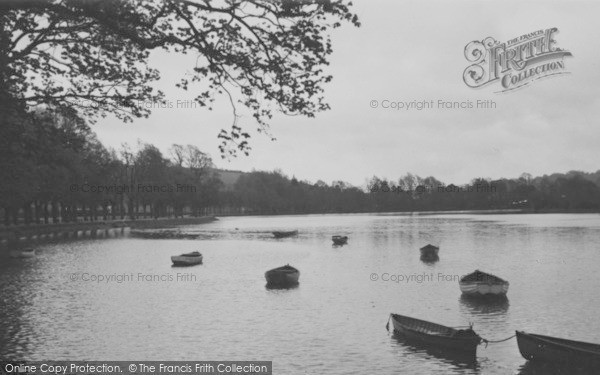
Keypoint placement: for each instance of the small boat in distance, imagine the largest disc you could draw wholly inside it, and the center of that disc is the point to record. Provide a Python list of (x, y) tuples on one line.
[(282, 276), (283, 234), (429, 252), (188, 259), (427, 333), (483, 284), (23, 253), (339, 240), (161, 234), (540, 348)]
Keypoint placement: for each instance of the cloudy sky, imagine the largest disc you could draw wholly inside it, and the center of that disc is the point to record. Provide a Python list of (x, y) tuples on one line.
[(406, 51)]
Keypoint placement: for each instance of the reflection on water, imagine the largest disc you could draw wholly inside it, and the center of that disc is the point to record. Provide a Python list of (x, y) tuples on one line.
[(16, 302), (534, 368), (282, 287), (333, 324), (454, 360), (430, 259), (490, 305)]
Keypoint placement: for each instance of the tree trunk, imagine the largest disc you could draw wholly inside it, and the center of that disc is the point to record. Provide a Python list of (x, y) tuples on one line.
[(46, 213), (55, 212), (27, 213), (36, 212), (130, 209)]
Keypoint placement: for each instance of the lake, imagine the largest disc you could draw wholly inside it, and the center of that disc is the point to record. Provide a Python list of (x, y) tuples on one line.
[(120, 299)]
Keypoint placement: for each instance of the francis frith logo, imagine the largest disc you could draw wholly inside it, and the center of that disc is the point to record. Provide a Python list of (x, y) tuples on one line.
[(515, 63)]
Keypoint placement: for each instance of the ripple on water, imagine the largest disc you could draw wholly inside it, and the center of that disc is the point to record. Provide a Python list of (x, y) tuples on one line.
[(333, 321)]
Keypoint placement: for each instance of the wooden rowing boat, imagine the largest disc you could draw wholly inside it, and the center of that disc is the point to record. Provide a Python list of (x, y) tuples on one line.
[(552, 349), (339, 240), (436, 335), (282, 276), (429, 251), (188, 259), (162, 234), (283, 234), (483, 284)]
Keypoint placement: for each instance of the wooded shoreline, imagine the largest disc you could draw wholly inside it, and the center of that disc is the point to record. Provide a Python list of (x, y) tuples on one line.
[(27, 232)]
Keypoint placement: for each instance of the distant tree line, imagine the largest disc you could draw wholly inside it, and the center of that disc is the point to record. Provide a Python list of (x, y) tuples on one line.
[(572, 191), (53, 169), (274, 193)]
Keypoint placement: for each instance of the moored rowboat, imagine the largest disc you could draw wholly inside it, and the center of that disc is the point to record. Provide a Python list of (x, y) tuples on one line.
[(339, 240), (483, 284), (457, 340), (283, 234), (551, 349), (188, 259), (429, 251), (282, 276), (161, 234)]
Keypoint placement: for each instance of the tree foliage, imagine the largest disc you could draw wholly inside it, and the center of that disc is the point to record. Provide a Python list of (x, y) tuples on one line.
[(93, 55)]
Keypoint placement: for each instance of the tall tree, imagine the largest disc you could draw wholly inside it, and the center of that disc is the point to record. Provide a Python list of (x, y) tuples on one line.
[(93, 55)]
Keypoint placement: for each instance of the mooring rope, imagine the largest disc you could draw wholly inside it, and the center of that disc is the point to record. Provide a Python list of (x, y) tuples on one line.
[(496, 341)]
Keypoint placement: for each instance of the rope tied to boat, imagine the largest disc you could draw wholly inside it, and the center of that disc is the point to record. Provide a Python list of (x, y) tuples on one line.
[(496, 341)]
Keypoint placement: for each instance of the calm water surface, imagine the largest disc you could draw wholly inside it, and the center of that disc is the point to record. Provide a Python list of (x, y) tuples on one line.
[(334, 321)]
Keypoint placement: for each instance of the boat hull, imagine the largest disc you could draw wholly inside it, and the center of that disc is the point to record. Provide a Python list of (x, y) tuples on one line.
[(435, 335), (183, 261), (479, 283), (339, 240), (548, 349), (285, 234), (430, 252), (477, 288), (282, 276), (161, 234)]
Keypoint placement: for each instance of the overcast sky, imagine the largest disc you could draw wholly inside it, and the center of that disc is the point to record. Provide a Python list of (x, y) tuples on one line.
[(404, 51)]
